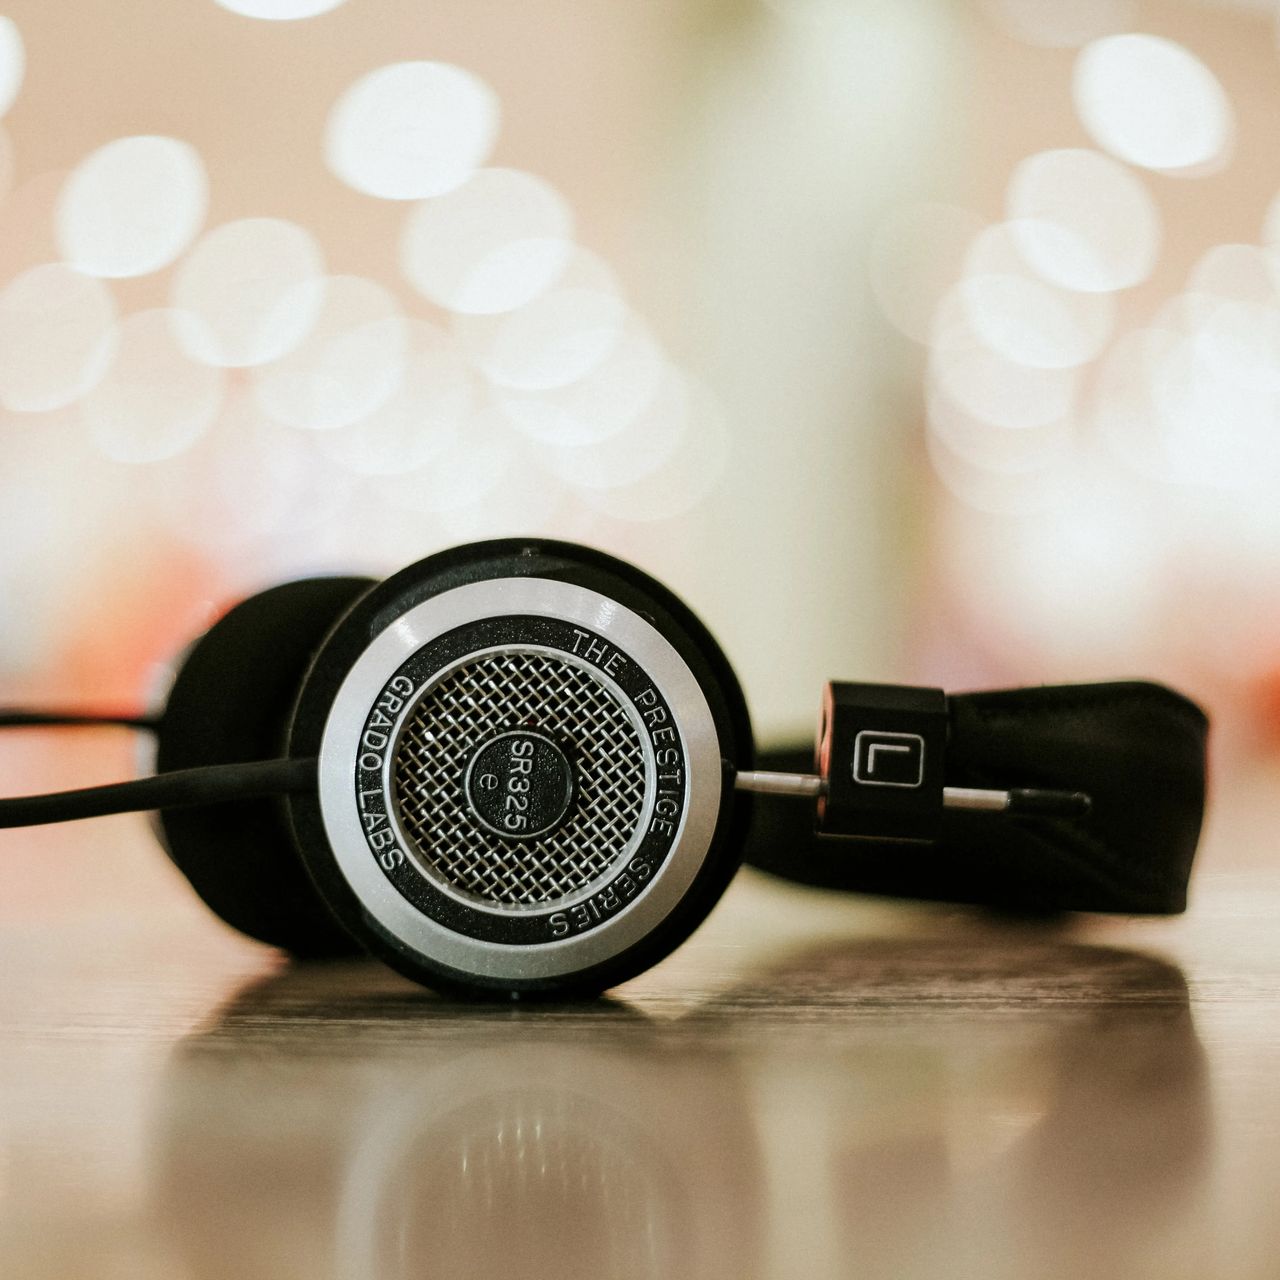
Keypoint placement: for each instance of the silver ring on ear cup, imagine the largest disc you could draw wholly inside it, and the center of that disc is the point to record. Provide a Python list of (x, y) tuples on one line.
[(417, 893)]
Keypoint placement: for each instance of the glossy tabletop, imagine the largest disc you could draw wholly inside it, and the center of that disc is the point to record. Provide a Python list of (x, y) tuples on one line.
[(813, 1086)]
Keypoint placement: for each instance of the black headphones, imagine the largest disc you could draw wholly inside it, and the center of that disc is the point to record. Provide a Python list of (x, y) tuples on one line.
[(524, 766)]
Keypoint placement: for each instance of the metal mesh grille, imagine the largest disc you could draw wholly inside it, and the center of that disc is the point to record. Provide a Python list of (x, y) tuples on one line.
[(500, 691)]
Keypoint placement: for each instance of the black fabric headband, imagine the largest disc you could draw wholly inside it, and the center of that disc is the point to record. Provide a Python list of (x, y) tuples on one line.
[(1137, 749)]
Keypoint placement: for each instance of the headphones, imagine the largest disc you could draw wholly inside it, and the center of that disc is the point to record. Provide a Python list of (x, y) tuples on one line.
[(524, 767)]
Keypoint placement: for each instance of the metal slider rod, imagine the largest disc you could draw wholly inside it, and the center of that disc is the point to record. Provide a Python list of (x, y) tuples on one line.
[(975, 799), (1050, 804), (779, 784)]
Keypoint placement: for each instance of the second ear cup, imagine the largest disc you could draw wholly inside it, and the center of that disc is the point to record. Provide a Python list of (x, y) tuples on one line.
[(230, 701)]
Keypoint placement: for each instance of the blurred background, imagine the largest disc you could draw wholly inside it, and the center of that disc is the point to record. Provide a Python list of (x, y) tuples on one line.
[(922, 340)]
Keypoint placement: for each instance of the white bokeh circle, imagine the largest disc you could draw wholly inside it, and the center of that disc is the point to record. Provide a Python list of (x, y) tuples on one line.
[(26, 224), (6, 164), (350, 363), (57, 335), (1006, 450), (527, 499), (1271, 224), (1083, 221), (1123, 415), (687, 473), (1218, 427), (1152, 102), (131, 207), (153, 401), (917, 254), (986, 383), (1061, 24), (13, 63), (647, 443), (1239, 342), (248, 486), (473, 467), (615, 394), (1022, 316), (1081, 570), (411, 130), (1013, 489), (1238, 273), (249, 291), (492, 245), (423, 418), (557, 338), (279, 10)]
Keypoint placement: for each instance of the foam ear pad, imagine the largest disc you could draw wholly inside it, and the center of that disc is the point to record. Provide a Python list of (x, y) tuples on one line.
[(231, 701)]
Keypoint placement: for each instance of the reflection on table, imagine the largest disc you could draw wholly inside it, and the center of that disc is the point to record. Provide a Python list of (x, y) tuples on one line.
[(1000, 1103)]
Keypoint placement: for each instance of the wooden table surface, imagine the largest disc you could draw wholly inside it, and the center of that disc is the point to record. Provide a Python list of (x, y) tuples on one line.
[(813, 1086)]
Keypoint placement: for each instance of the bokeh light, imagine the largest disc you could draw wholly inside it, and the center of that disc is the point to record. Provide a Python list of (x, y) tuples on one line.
[(247, 485), (412, 129), (989, 385), (424, 416), (49, 518), (648, 442), (1124, 412), (1012, 486), (349, 364), (1240, 342), (1061, 24), (13, 62), (982, 444), (1271, 224), (492, 245), (513, 508), (557, 338), (390, 536), (1022, 316), (464, 474), (1080, 575), (523, 498), (1232, 306), (280, 10), (56, 337), (917, 254), (1194, 398), (26, 224), (1083, 221), (1151, 102), (249, 291), (335, 417), (132, 206), (610, 399), (153, 401), (1218, 429), (1236, 272), (6, 163), (687, 472)]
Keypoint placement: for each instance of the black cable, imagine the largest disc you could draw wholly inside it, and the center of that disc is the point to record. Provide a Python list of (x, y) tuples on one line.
[(179, 789), (1039, 802), (16, 718)]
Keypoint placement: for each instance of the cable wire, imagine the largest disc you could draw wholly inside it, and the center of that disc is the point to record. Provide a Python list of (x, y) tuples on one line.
[(179, 789), (22, 718)]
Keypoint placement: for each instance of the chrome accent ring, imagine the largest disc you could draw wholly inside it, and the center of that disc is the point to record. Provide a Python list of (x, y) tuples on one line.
[(638, 642)]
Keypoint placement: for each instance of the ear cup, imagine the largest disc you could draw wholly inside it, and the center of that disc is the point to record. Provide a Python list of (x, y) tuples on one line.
[(230, 702), (510, 590)]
